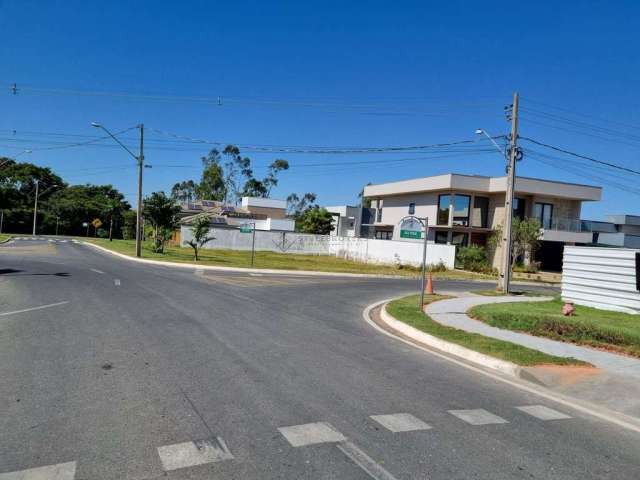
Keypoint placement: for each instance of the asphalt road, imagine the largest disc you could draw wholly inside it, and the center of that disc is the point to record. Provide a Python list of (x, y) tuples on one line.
[(151, 372)]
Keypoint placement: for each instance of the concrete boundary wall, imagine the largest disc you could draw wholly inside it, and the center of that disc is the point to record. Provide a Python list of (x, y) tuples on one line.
[(357, 249), (601, 277)]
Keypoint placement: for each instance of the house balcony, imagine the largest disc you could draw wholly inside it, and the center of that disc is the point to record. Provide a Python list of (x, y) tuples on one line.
[(567, 230)]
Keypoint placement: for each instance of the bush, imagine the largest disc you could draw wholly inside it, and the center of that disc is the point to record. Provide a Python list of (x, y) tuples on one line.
[(102, 233), (532, 267), (473, 258), (438, 267)]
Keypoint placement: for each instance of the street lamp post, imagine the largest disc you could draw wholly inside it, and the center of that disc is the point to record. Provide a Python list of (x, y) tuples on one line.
[(16, 156), (35, 205), (140, 159)]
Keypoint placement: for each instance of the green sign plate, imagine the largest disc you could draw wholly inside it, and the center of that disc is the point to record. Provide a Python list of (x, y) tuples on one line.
[(244, 229), (410, 234)]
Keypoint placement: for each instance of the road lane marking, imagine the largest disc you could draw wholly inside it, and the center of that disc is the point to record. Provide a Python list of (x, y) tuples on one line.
[(400, 422), (189, 454), (60, 471), (310, 434), (199, 271), (33, 308), (364, 461), (116, 282), (543, 413), (478, 417), (97, 271)]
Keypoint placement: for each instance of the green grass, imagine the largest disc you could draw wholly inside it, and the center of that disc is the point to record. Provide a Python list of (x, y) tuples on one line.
[(270, 260), (613, 331), (4, 237), (528, 293), (406, 310)]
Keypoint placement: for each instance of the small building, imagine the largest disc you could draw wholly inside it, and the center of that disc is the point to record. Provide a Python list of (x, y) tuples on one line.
[(463, 210), (616, 231), (350, 221)]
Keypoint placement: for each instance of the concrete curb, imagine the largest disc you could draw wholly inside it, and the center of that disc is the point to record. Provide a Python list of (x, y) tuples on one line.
[(521, 383), (195, 266), (486, 361)]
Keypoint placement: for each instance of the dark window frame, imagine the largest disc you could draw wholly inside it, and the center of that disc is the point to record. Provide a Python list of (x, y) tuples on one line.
[(440, 210), (467, 218), (541, 216), (412, 208), (440, 233), (484, 219)]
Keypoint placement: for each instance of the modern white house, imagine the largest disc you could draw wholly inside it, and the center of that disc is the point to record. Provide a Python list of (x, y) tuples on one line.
[(616, 231), (464, 209)]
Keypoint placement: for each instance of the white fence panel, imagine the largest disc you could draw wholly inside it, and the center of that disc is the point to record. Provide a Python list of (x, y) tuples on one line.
[(601, 277)]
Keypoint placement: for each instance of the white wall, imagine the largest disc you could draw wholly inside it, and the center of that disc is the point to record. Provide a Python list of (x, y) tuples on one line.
[(358, 249), (601, 277)]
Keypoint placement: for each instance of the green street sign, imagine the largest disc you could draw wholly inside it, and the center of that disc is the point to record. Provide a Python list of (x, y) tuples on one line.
[(415, 234), (246, 229)]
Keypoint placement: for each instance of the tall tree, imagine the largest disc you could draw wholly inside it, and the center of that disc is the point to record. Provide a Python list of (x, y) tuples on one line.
[(161, 212), (184, 191), (212, 182), (316, 220)]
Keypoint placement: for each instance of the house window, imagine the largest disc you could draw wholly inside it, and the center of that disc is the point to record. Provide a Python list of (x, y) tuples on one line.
[(544, 213), (441, 237), (461, 210), (460, 239), (444, 202), (379, 211), (480, 215), (412, 208), (519, 205), (384, 235)]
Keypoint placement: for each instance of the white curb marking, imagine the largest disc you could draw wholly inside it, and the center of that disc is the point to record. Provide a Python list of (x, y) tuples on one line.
[(311, 433), (478, 417), (189, 454), (33, 308), (400, 422), (60, 471), (97, 271), (364, 461), (543, 413)]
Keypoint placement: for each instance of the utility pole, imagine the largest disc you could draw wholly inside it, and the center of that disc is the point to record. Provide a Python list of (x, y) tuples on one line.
[(139, 212), (1, 219), (57, 221), (35, 209), (505, 271)]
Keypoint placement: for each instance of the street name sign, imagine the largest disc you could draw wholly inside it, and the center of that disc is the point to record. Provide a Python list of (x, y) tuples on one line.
[(246, 228), (411, 227)]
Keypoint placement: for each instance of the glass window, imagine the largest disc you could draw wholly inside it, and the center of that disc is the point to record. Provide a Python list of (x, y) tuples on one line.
[(461, 210), (519, 205), (441, 237), (379, 211), (480, 215), (460, 239), (544, 213), (444, 201), (412, 208), (384, 235)]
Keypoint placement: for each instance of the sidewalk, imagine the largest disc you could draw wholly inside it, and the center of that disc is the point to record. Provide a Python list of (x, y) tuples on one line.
[(616, 383)]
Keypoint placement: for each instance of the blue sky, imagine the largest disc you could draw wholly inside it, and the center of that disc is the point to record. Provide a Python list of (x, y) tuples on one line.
[(338, 74)]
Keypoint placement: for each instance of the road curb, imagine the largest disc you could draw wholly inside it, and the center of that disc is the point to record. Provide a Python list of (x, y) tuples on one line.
[(522, 382), (507, 368)]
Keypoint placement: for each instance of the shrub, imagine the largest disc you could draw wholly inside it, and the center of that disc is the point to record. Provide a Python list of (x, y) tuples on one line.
[(438, 267), (473, 258)]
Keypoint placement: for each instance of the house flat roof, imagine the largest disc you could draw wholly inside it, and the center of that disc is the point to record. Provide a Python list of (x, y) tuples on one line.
[(484, 184)]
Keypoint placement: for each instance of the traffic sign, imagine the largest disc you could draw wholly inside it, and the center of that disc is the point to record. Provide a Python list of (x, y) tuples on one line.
[(246, 228), (97, 223)]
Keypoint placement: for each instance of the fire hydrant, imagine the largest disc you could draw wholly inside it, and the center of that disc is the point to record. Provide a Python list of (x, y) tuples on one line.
[(568, 309)]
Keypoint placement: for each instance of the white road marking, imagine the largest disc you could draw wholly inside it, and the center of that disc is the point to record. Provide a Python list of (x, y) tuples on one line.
[(400, 422), (61, 471), (364, 461), (97, 271), (478, 417), (34, 308), (311, 433), (199, 271), (256, 274), (543, 413), (117, 282), (189, 454)]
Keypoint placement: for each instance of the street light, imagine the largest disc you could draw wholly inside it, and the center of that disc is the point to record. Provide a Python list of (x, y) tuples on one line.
[(481, 131), (35, 204), (16, 156), (140, 159)]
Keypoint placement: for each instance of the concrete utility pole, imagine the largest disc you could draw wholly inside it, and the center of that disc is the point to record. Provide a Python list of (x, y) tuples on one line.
[(139, 212), (505, 271), (35, 209)]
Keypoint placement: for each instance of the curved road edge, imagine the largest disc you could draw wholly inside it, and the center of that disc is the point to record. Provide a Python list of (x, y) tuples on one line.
[(502, 375)]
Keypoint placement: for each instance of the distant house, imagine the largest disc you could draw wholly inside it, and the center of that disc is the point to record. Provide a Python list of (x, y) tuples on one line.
[(350, 221), (266, 213), (464, 209), (616, 231)]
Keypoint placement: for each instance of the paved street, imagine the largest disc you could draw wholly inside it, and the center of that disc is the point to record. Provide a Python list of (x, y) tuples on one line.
[(115, 370)]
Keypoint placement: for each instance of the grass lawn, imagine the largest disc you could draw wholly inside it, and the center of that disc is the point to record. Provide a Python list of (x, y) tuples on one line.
[(406, 310), (4, 237), (271, 260), (528, 293), (613, 331)]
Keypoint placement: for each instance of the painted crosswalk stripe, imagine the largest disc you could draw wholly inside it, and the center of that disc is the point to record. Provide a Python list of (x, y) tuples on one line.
[(400, 422), (60, 471), (478, 417), (543, 413), (189, 454), (311, 433), (97, 271)]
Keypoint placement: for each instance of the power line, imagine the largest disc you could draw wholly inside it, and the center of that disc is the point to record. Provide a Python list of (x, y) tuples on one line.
[(591, 159)]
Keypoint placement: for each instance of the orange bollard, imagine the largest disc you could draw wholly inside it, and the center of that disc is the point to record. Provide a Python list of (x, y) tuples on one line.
[(429, 288)]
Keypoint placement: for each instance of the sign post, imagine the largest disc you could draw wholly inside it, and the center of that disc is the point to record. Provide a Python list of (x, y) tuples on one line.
[(250, 227), (416, 228)]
